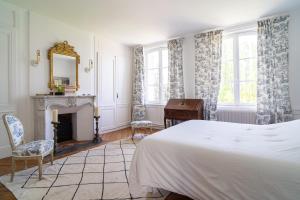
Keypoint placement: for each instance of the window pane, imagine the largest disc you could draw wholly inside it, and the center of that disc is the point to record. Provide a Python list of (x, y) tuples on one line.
[(248, 92), (248, 69), (165, 61), (227, 49), (226, 94), (165, 76), (152, 77), (227, 71), (247, 46), (244, 63), (152, 94), (165, 93), (153, 60), (156, 75), (165, 85)]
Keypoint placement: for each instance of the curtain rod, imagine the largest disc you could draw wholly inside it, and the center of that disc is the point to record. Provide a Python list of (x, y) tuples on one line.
[(273, 16), (231, 28)]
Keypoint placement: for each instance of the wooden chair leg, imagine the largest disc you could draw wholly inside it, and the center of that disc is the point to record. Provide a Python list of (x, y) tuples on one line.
[(13, 168), (133, 132), (40, 163), (25, 163), (52, 157)]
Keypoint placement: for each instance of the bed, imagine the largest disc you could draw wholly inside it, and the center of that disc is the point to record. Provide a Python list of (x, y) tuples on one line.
[(219, 160)]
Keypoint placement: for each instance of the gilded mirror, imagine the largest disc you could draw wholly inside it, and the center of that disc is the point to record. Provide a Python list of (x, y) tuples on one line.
[(64, 61)]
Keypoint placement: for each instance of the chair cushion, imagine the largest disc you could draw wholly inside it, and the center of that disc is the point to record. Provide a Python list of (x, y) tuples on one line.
[(34, 148), (138, 112), (141, 124), (15, 127)]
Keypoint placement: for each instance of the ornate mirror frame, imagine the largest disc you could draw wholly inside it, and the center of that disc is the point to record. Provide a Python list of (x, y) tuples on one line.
[(62, 48)]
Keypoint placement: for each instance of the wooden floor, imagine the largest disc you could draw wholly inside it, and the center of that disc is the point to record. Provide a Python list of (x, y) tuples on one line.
[(5, 163)]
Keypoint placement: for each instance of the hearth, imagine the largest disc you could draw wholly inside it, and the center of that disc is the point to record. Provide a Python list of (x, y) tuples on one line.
[(65, 127)]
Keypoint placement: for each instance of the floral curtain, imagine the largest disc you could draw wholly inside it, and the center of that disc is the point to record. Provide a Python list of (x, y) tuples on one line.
[(273, 101), (208, 53), (176, 84), (138, 77)]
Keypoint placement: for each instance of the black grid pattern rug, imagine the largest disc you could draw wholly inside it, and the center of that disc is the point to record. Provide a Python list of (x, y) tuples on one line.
[(99, 173)]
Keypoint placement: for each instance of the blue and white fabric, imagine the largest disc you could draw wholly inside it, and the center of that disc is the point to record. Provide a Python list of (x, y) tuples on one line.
[(138, 115), (208, 54), (34, 148), (16, 128), (273, 99)]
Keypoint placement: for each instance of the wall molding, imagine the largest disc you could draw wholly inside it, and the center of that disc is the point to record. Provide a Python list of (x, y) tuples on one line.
[(5, 151), (114, 129)]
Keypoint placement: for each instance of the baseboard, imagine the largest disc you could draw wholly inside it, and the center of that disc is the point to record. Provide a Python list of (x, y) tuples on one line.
[(114, 129), (154, 126), (5, 151)]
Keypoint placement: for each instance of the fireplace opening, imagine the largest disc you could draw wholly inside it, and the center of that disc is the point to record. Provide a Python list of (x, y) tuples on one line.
[(65, 128)]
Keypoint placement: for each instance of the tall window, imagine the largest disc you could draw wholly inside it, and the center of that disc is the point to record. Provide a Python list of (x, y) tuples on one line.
[(239, 69), (156, 75)]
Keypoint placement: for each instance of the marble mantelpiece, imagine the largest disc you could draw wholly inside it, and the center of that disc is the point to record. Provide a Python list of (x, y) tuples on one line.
[(81, 108)]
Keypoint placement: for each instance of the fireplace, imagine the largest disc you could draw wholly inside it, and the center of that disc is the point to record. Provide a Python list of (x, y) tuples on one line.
[(76, 113), (65, 127)]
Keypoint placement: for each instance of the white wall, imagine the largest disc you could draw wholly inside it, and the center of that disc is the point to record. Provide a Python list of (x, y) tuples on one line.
[(14, 21), (294, 56), (115, 85), (189, 66), (44, 33)]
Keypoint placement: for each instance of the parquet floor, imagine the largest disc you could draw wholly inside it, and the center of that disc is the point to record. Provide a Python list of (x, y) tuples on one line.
[(5, 163)]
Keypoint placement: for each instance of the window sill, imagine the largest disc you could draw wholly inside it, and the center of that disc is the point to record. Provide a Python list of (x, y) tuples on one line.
[(155, 105), (236, 108)]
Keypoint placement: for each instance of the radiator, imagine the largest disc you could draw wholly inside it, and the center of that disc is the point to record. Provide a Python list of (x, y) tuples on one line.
[(237, 116)]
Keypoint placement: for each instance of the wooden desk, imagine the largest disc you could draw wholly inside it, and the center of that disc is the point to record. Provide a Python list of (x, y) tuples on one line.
[(183, 109)]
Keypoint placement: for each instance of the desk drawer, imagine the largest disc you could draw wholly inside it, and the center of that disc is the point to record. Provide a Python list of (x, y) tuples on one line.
[(181, 115)]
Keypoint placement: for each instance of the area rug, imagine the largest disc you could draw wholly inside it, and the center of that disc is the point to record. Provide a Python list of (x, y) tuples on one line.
[(98, 173)]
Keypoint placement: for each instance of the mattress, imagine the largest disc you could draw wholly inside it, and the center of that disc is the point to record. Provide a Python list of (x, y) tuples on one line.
[(219, 160)]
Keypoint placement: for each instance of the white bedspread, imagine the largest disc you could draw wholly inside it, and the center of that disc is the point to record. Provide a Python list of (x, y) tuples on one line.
[(219, 160)]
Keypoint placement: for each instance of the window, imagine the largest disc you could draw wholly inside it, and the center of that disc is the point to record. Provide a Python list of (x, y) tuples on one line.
[(156, 75), (239, 70)]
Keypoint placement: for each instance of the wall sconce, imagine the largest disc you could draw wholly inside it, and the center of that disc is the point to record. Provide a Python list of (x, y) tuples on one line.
[(37, 60), (91, 65)]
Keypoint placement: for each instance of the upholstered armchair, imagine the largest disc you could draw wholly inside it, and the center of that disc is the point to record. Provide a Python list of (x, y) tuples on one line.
[(138, 122), (25, 151)]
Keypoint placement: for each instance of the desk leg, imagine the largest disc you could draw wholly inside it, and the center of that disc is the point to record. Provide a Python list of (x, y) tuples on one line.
[(165, 122)]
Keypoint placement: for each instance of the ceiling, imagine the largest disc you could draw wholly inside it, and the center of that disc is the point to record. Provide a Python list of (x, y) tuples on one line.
[(146, 21)]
